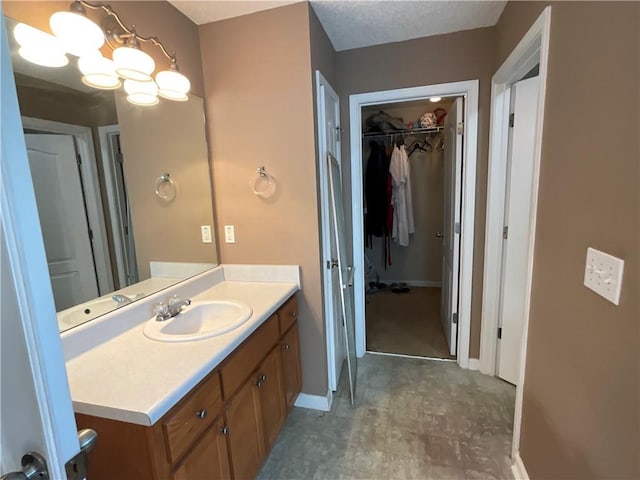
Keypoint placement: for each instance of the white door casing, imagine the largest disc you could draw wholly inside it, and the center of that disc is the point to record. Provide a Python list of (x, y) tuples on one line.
[(37, 413), (453, 130), (65, 231), (83, 140), (524, 101), (328, 111), (468, 89)]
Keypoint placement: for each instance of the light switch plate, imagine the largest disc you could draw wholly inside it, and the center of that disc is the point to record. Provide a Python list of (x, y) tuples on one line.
[(603, 274), (229, 234), (205, 231)]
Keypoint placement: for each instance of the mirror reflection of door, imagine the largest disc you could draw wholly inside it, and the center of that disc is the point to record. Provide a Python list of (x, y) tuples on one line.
[(63, 218)]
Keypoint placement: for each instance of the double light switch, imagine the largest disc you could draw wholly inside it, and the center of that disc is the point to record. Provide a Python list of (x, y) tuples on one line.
[(603, 274)]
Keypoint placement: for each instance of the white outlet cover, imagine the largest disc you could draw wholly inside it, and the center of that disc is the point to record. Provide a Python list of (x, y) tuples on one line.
[(603, 274), (229, 234)]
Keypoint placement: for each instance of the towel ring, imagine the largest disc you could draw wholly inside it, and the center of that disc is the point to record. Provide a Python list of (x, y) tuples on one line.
[(165, 188), (263, 184)]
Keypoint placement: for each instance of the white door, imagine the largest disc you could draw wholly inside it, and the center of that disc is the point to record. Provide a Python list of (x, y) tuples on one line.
[(524, 105), (36, 413), (63, 218), (345, 272), (328, 138), (451, 231)]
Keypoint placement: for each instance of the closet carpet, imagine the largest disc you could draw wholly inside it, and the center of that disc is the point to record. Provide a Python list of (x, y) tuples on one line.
[(406, 323)]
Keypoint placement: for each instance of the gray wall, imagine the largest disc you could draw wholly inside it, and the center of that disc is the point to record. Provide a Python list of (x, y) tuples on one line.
[(581, 414)]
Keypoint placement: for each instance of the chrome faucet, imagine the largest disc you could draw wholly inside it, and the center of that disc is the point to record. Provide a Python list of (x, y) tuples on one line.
[(166, 310), (121, 300)]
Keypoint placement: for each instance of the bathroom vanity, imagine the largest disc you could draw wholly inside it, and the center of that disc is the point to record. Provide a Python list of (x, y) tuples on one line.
[(209, 408)]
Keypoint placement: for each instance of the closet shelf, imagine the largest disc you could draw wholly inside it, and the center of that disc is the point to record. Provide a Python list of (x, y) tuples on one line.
[(413, 131)]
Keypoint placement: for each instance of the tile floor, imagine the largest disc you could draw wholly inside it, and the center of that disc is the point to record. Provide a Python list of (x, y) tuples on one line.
[(415, 419)]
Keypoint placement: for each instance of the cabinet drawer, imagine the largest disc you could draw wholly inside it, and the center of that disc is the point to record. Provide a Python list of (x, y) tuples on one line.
[(287, 314), (187, 420), (248, 355)]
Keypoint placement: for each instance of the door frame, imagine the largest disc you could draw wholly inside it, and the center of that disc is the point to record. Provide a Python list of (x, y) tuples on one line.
[(83, 139), (469, 90), (325, 205), (28, 264), (531, 50), (111, 191)]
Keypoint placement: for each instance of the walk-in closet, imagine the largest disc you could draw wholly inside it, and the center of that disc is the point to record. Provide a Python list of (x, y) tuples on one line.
[(404, 213)]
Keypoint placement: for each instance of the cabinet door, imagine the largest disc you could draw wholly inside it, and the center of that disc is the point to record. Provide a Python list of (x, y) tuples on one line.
[(209, 458), (290, 349), (269, 383), (246, 438)]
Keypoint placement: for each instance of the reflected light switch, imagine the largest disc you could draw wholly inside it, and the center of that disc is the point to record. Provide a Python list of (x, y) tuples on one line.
[(205, 231)]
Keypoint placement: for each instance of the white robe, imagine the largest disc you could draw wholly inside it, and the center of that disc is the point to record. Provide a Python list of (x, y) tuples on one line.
[(401, 197)]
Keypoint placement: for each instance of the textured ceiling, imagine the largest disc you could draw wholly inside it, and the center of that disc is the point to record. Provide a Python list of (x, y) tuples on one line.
[(354, 23)]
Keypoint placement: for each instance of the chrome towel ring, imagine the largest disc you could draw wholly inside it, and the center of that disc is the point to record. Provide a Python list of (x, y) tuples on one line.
[(165, 188), (263, 184)]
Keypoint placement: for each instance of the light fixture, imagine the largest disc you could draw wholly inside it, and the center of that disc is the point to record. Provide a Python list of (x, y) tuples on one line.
[(435, 99), (39, 47), (141, 93), (172, 85), (78, 35), (98, 72), (132, 63)]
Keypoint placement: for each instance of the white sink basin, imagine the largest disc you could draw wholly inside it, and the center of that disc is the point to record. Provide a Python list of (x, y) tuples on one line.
[(199, 320), (75, 316)]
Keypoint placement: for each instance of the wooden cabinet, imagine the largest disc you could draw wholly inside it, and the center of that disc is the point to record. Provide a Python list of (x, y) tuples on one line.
[(209, 458), (291, 373), (246, 438), (223, 428)]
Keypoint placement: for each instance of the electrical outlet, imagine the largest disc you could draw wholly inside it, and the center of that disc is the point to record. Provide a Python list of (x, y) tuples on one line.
[(229, 234), (205, 230), (603, 274)]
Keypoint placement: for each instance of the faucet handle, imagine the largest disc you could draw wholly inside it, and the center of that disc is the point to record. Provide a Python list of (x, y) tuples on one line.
[(161, 309), (175, 299)]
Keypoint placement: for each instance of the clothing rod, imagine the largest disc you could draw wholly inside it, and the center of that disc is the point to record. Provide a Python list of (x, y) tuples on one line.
[(415, 131)]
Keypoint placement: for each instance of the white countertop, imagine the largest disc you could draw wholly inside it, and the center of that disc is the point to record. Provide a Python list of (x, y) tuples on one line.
[(129, 377)]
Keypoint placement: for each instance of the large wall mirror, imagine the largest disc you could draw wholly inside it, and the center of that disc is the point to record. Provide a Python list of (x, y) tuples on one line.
[(123, 190)]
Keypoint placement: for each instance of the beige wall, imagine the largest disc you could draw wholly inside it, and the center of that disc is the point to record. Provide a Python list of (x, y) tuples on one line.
[(581, 416), (260, 111), (151, 18), (168, 137), (453, 57), (421, 261)]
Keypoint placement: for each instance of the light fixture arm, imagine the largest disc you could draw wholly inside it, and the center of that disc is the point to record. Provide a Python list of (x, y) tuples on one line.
[(130, 31)]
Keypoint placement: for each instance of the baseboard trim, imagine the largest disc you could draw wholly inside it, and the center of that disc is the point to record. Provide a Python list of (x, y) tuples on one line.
[(474, 364), (315, 402), (415, 283), (518, 469)]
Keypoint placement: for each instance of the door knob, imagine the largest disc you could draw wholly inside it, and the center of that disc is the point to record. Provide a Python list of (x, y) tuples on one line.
[(439, 235), (33, 466)]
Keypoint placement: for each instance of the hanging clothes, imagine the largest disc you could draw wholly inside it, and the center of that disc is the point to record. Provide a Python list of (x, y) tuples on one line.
[(403, 224), (375, 185)]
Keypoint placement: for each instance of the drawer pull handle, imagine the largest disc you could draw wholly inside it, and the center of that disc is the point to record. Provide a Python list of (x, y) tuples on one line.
[(224, 430), (261, 380), (201, 413), (293, 314), (285, 346)]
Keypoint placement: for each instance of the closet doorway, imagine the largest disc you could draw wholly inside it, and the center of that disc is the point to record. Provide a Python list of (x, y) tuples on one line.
[(404, 305)]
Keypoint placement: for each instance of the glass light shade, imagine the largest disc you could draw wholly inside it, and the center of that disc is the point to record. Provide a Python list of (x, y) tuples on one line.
[(172, 85), (39, 47), (99, 72), (78, 35), (141, 93), (133, 64), (435, 99)]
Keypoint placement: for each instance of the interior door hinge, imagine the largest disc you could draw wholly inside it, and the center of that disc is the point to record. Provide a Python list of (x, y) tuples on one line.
[(119, 158), (333, 263), (454, 318), (499, 333), (456, 227), (90, 234), (338, 133), (78, 159), (512, 118), (505, 232), (460, 128)]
